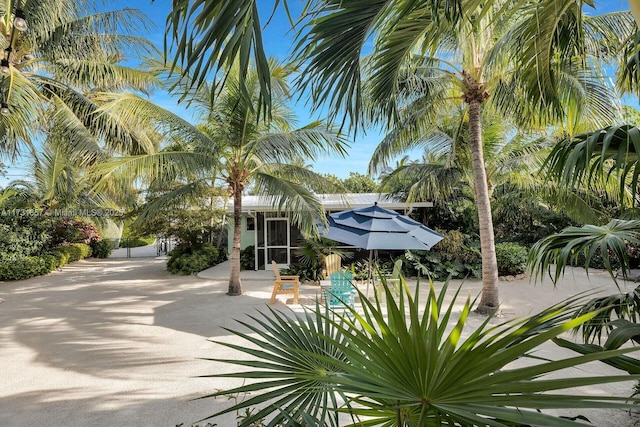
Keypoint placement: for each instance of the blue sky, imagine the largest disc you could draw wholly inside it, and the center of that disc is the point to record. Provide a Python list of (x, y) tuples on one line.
[(278, 41)]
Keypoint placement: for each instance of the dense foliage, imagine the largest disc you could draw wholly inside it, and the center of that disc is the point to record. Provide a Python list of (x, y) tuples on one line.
[(512, 259), (33, 244), (18, 267), (248, 258), (188, 259), (101, 249)]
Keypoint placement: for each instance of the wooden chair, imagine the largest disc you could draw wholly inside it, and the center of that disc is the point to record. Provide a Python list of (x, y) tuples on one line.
[(332, 263), (341, 292), (392, 281), (284, 285)]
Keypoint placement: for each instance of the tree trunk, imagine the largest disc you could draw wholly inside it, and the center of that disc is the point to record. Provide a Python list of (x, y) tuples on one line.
[(634, 5), (235, 284), (489, 300)]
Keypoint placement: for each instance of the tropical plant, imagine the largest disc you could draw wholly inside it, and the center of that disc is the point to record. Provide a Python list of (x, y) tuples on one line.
[(234, 147), (310, 257), (554, 253), (401, 366), (617, 314), (427, 54), (265, 154), (188, 259), (60, 69)]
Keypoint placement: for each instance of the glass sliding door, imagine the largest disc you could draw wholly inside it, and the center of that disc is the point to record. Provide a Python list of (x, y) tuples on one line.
[(277, 240)]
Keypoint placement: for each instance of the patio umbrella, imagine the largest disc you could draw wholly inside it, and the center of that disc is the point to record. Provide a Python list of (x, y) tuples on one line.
[(375, 228)]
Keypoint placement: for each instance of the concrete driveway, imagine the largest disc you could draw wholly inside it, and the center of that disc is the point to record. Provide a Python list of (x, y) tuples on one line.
[(120, 342), (115, 343)]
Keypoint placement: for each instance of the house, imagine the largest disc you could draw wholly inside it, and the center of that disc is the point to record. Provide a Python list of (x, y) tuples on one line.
[(275, 238)]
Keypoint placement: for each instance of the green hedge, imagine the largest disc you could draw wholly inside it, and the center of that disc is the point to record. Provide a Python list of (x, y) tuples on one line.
[(187, 259), (23, 267), (136, 242), (512, 259), (101, 249)]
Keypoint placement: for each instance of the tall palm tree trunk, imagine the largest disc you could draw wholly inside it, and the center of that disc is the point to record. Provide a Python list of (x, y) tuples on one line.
[(235, 284), (634, 5), (489, 301)]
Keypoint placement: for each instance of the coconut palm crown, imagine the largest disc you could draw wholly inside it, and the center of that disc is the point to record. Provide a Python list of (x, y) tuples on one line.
[(61, 65), (422, 61)]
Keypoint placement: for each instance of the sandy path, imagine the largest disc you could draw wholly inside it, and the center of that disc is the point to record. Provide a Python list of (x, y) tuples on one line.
[(119, 342)]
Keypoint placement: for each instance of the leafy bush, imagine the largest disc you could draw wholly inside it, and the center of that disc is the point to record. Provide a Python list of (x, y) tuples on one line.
[(248, 258), (77, 251), (74, 230), (24, 235), (136, 242), (101, 249), (456, 256), (65, 254), (187, 259), (61, 256), (512, 259), (312, 273), (22, 267), (50, 261)]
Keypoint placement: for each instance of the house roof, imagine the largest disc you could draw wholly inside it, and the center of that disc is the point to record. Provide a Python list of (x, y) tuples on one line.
[(334, 202)]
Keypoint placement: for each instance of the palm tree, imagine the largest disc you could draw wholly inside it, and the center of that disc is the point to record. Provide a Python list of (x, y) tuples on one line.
[(422, 62), (60, 68), (234, 146), (541, 50)]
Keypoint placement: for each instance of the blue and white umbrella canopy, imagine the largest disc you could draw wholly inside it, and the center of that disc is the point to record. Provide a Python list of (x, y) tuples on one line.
[(374, 227)]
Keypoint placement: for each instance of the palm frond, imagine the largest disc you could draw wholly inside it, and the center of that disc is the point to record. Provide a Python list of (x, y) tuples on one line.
[(293, 186), (151, 166), (402, 365), (586, 158), (564, 249), (309, 142), (210, 37)]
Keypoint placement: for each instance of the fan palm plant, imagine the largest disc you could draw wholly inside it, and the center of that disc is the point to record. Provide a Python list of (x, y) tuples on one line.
[(402, 366)]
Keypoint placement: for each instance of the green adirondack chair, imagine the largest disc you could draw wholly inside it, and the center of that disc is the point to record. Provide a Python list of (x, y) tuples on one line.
[(341, 292)]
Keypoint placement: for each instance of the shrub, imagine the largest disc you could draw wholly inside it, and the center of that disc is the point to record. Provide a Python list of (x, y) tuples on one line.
[(187, 259), (50, 262), (512, 259), (456, 256), (101, 249), (74, 230), (248, 258), (311, 273), (24, 235), (136, 242), (61, 256), (23, 267), (77, 251)]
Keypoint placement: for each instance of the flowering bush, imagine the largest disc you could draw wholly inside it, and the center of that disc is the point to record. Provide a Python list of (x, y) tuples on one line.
[(75, 230)]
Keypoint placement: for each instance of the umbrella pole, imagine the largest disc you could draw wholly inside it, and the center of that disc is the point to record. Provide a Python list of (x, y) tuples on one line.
[(370, 271)]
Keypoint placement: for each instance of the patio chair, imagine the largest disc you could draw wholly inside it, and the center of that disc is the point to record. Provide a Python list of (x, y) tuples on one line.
[(284, 285), (392, 281), (341, 293), (332, 263)]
